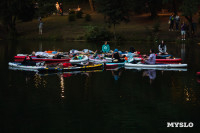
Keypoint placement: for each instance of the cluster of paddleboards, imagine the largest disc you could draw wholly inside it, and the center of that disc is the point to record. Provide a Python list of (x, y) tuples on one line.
[(81, 64)]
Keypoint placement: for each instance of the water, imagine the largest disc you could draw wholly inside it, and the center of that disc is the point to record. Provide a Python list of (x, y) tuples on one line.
[(122, 101)]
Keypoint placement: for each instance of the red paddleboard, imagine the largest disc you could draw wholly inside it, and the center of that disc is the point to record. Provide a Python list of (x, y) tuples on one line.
[(168, 60), (21, 58)]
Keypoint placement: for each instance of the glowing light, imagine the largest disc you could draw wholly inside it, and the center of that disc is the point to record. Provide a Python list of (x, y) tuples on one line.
[(62, 86)]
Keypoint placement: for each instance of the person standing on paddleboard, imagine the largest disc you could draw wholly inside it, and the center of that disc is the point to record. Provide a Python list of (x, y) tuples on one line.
[(106, 47)]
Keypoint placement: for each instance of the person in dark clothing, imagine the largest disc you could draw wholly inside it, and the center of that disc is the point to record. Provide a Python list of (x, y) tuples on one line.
[(116, 56), (24, 61), (61, 9), (183, 30), (29, 62)]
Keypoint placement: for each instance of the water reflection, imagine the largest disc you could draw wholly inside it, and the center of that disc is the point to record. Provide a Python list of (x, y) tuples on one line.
[(62, 85), (117, 73), (40, 46), (183, 51), (151, 74), (39, 81)]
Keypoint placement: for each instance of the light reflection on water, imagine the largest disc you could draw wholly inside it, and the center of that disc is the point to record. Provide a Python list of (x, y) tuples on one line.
[(118, 100)]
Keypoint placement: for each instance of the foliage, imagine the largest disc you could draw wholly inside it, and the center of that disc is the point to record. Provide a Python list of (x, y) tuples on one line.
[(189, 8), (71, 12), (114, 12), (96, 34), (88, 17), (10, 10), (46, 9), (71, 17), (141, 6), (79, 14), (27, 12)]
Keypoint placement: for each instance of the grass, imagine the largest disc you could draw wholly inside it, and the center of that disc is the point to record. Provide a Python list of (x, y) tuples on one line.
[(58, 27)]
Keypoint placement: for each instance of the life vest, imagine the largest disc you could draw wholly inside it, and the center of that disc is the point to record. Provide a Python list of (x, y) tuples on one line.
[(27, 58), (66, 65)]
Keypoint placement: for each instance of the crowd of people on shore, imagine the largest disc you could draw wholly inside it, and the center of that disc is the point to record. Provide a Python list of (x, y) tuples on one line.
[(174, 21)]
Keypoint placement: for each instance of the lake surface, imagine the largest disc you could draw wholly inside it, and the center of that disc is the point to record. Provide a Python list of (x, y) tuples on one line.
[(122, 101)]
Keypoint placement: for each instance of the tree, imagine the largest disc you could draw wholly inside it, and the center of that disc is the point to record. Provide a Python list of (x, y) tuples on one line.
[(152, 6), (92, 5), (10, 10), (173, 5), (114, 12), (189, 8)]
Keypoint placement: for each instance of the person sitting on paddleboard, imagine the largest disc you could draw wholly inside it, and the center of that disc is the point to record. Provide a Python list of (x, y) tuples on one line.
[(152, 58), (162, 48), (132, 52), (28, 61), (106, 47), (116, 56)]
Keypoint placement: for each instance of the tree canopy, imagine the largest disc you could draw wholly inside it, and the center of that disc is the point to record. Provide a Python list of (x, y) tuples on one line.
[(114, 12)]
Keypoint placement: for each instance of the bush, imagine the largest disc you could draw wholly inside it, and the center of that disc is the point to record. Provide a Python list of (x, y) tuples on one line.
[(95, 34), (87, 17), (79, 14), (71, 17)]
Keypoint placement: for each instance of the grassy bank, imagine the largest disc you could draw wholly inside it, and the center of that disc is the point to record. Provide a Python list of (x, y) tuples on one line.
[(140, 28)]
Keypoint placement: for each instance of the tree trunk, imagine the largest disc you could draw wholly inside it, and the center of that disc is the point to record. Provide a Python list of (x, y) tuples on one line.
[(12, 27), (153, 10), (191, 29), (174, 7), (92, 5), (115, 34)]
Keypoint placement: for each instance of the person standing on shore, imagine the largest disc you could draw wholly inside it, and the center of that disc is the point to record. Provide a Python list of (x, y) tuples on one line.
[(177, 19), (40, 26), (183, 30), (57, 8), (61, 9)]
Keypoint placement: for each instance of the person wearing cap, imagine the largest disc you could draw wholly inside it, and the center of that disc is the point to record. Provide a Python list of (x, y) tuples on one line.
[(116, 56), (106, 47)]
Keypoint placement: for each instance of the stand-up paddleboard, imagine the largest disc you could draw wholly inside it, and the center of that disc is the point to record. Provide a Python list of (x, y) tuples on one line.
[(72, 68), (156, 65)]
